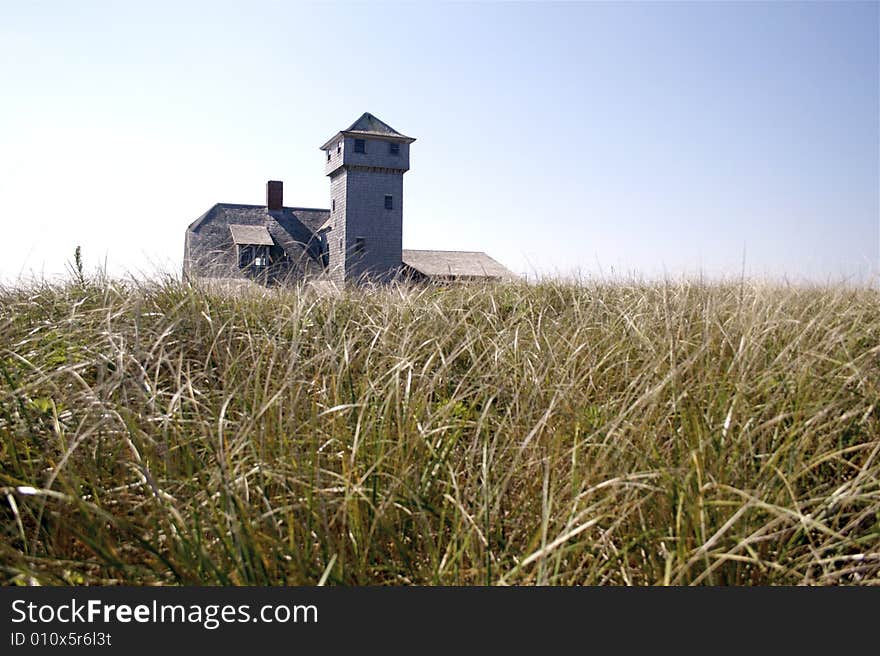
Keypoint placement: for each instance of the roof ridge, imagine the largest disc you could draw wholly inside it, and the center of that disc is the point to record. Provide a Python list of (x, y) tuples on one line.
[(285, 207)]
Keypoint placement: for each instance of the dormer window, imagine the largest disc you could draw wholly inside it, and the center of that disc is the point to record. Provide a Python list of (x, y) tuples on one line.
[(394, 149), (360, 146), (252, 244), (252, 255)]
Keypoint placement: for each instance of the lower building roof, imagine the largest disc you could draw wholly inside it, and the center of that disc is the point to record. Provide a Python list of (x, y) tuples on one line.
[(460, 264)]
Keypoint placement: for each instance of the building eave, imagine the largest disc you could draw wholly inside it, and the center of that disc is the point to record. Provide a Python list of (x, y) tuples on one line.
[(356, 134)]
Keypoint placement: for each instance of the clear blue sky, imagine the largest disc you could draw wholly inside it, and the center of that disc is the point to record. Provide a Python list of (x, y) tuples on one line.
[(626, 137)]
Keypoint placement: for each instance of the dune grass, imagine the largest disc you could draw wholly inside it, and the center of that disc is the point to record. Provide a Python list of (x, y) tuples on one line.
[(600, 433)]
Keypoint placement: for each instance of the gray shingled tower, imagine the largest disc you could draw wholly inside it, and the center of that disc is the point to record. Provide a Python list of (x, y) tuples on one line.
[(364, 234)]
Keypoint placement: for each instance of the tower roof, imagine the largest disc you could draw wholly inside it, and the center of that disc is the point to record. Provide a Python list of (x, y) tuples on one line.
[(369, 123), (369, 126)]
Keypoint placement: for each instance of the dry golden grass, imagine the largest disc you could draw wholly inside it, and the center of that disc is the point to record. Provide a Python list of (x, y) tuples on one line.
[(601, 433)]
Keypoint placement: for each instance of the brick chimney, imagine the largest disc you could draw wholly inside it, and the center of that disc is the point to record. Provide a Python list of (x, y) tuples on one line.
[(274, 195)]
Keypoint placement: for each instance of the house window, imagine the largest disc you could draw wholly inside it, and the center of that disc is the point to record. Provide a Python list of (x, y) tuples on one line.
[(253, 256), (360, 245), (389, 202), (244, 256), (360, 146), (325, 250), (394, 149)]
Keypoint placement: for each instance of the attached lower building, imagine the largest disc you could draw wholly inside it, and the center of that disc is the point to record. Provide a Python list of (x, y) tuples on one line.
[(358, 239)]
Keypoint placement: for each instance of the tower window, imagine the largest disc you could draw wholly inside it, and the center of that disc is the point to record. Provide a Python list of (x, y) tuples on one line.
[(328, 155), (394, 149), (389, 202), (360, 146), (338, 147), (360, 245), (333, 205)]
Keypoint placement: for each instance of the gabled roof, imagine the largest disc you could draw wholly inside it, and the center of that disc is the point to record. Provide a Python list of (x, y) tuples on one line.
[(228, 213), (292, 229), (369, 126), (250, 235), (460, 264)]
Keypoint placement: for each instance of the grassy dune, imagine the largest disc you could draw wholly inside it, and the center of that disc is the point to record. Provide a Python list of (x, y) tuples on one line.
[(607, 433)]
